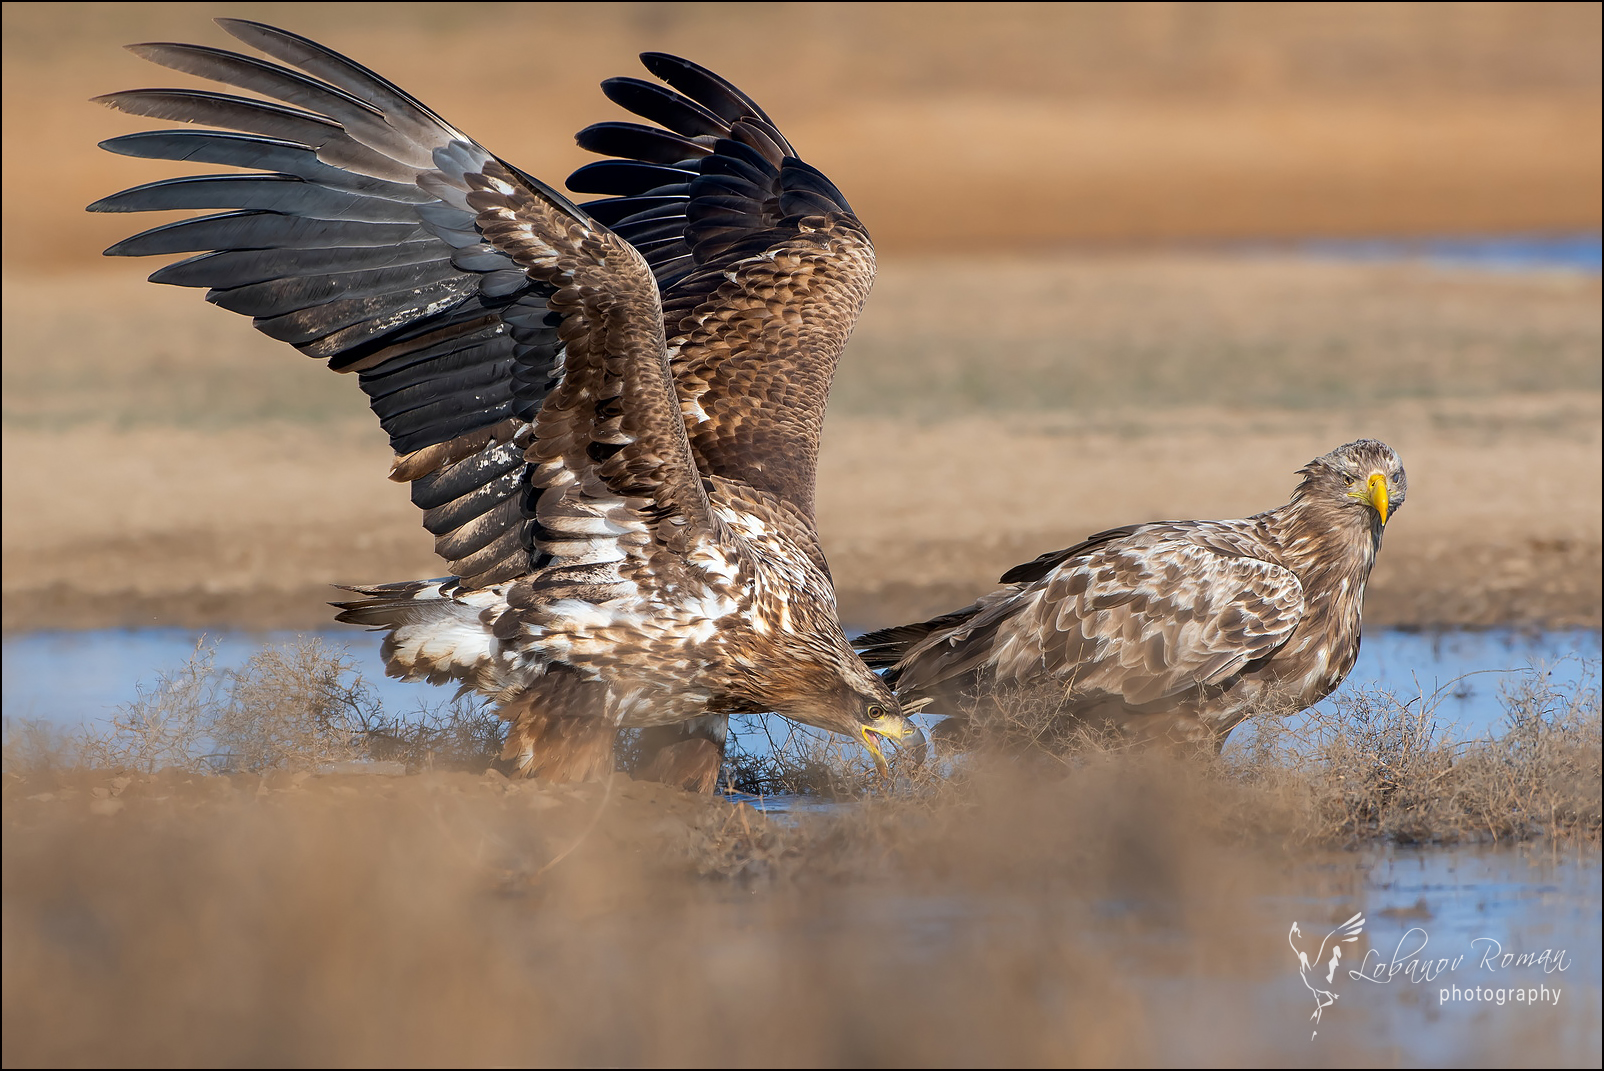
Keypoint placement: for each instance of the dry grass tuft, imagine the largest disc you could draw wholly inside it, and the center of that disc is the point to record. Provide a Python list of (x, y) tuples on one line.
[(1371, 767), (303, 706), (1380, 767)]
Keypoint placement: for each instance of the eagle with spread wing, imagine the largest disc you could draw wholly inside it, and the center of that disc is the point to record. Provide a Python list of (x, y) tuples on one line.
[(1176, 629), (609, 413)]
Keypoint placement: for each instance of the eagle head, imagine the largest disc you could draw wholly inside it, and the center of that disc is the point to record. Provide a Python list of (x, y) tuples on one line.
[(807, 671), (856, 704), (1365, 475)]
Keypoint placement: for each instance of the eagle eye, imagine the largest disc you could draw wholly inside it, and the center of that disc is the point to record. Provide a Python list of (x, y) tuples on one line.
[(876, 711)]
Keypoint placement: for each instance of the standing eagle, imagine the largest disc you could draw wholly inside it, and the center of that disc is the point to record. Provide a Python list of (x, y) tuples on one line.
[(608, 413), (1177, 629)]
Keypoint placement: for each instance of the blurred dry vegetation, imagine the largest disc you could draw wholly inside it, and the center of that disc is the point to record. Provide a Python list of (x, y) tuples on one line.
[(216, 881), (1373, 766)]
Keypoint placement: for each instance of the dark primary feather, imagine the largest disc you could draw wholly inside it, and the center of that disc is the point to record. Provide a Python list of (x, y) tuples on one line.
[(639, 142), (663, 107), (334, 146), (338, 250), (622, 177), (284, 194), (702, 86), (263, 153), (716, 191)]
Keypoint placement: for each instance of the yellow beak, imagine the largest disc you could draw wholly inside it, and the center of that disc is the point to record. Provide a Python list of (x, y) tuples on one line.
[(893, 727), (873, 745), (1378, 494)]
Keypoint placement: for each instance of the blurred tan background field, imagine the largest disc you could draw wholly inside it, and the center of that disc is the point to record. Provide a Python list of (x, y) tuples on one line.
[(995, 125), (1063, 337)]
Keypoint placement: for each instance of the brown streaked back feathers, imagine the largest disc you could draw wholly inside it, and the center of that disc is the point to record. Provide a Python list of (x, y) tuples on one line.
[(1140, 614)]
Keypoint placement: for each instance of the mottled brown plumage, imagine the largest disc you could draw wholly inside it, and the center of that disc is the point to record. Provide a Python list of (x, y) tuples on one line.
[(1177, 629), (609, 414)]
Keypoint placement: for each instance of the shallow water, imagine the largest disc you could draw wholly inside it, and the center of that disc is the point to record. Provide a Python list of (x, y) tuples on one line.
[(73, 678), (1582, 252), (1437, 926), (81, 677), (1462, 676), (1250, 1006)]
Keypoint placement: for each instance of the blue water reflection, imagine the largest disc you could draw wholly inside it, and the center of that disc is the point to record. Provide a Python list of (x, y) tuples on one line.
[(1464, 674), (71, 678), (74, 678), (1516, 252)]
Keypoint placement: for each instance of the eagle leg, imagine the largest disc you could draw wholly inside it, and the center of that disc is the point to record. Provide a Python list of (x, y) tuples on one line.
[(687, 755), (571, 740)]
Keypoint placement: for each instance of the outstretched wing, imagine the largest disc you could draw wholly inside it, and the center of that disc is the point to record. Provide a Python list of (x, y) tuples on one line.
[(1140, 614), (613, 419), (619, 503), (763, 266), (341, 245)]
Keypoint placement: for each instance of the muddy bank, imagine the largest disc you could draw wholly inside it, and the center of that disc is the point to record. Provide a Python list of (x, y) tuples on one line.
[(252, 528)]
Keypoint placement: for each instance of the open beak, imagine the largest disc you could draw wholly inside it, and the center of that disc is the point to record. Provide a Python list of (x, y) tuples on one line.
[(1378, 494), (895, 728)]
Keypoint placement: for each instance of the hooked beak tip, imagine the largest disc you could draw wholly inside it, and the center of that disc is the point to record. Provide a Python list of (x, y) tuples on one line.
[(1378, 495), (904, 732)]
